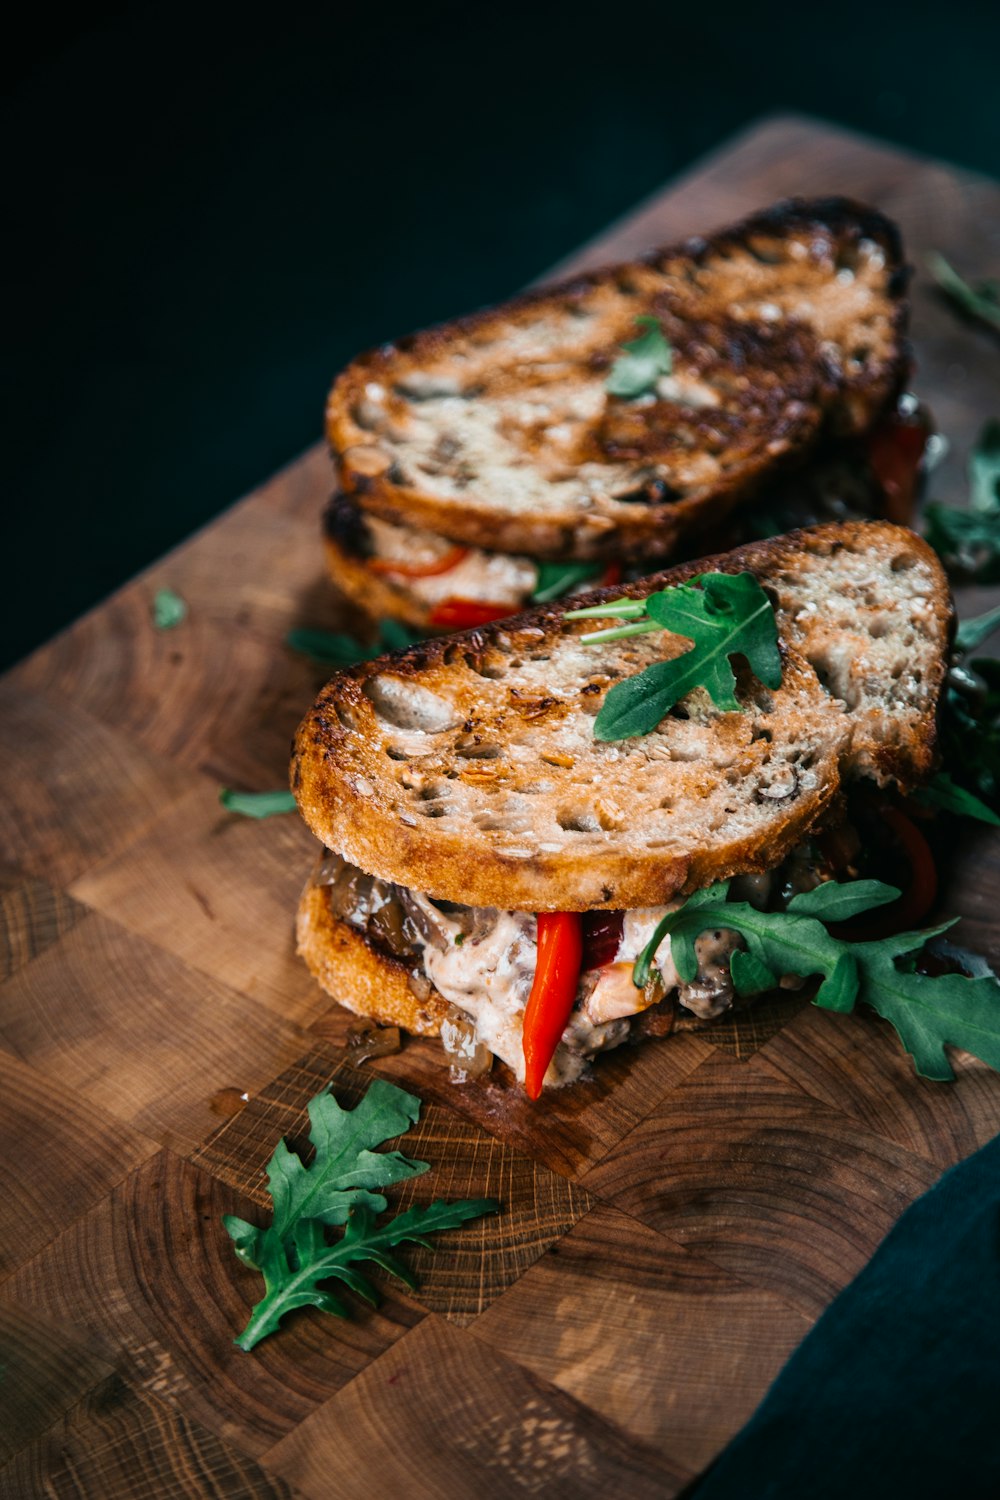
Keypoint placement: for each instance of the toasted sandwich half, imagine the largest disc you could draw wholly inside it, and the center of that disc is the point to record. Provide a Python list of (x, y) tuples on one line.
[(460, 790), (611, 420)]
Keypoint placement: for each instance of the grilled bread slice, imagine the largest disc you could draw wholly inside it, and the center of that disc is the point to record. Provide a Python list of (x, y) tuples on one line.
[(496, 430), (360, 549), (466, 767)]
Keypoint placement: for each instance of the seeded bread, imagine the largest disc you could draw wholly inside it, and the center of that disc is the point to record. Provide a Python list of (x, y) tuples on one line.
[(836, 486), (466, 766), (496, 430)]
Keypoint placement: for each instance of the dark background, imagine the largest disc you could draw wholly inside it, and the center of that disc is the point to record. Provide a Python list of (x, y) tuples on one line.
[(212, 213)]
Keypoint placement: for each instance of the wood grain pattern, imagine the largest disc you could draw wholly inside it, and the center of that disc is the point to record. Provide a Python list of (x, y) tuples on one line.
[(219, 891), (474, 1264), (631, 1303), (45, 1372), (58, 1156), (73, 789), (118, 1441), (32, 915), (855, 1064), (440, 1417), (763, 1180), (221, 693), (149, 1280), (138, 1034), (671, 1227)]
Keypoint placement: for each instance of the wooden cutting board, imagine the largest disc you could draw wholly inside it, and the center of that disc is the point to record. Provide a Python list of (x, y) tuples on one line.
[(670, 1230)]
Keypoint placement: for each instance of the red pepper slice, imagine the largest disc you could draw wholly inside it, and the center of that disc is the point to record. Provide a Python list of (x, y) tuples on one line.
[(443, 564), (602, 935), (454, 613), (612, 574), (895, 449), (917, 898), (553, 990)]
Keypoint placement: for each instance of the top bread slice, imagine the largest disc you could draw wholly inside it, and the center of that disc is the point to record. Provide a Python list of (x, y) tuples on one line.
[(496, 430), (466, 766)]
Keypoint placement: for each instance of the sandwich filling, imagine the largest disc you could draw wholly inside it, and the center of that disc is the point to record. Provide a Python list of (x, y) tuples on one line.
[(456, 586), (482, 961)]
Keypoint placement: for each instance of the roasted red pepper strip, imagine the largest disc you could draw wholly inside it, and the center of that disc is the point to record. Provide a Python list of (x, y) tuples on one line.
[(895, 449), (443, 564), (557, 975), (460, 614), (916, 899)]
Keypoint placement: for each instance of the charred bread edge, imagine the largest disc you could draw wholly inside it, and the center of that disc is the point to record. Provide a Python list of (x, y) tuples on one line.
[(359, 975), (449, 869)]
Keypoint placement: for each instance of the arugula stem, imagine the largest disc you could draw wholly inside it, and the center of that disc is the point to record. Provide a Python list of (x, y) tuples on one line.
[(620, 609), (593, 637)]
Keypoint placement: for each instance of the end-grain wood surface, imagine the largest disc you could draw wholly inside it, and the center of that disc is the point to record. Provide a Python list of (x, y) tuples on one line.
[(670, 1230)]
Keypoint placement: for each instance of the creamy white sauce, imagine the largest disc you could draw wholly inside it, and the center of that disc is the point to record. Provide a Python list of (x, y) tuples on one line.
[(492, 577), (489, 976)]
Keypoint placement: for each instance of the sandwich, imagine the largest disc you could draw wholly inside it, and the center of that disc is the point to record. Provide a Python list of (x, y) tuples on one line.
[(521, 823), (579, 434)]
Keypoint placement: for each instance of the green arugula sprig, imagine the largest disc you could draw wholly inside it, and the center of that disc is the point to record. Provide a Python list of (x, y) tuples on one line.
[(557, 578), (339, 1187), (927, 1013), (642, 361), (332, 650), (257, 804), (981, 300), (970, 727), (168, 609), (968, 541), (969, 730), (722, 614), (943, 793)]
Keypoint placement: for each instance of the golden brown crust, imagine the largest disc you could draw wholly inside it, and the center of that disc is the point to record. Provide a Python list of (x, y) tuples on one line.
[(466, 766), (359, 975), (788, 325)]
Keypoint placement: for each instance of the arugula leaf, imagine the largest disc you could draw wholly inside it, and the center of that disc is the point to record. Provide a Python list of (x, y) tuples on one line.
[(969, 540), (929, 1014), (981, 301), (257, 804), (294, 1255), (970, 727), (972, 633), (964, 541), (839, 901), (984, 471), (942, 792), (722, 614), (168, 609), (643, 361), (557, 578), (782, 942), (331, 650), (345, 1167)]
